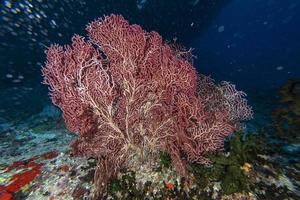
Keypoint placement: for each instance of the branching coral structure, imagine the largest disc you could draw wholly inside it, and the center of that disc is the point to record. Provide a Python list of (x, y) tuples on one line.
[(130, 96)]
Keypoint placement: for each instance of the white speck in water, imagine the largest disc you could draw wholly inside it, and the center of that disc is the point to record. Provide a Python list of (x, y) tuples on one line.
[(16, 81), (221, 29), (20, 77), (279, 68), (8, 75)]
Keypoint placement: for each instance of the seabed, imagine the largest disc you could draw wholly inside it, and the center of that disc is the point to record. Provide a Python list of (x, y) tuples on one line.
[(36, 163)]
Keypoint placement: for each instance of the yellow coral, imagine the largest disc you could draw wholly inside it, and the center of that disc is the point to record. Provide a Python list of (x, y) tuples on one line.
[(246, 167)]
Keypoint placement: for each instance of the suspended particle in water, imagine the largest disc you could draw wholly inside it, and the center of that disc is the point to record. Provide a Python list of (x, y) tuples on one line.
[(221, 29)]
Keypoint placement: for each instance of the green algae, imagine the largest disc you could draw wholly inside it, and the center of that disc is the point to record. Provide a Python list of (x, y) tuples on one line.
[(227, 168)]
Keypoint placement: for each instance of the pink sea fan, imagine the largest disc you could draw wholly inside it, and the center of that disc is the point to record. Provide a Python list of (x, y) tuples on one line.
[(128, 94)]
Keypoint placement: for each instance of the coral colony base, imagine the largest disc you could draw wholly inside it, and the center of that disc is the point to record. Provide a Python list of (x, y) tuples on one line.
[(131, 96)]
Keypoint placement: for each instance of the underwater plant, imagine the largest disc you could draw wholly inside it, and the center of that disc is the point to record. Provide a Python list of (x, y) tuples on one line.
[(231, 169), (131, 96)]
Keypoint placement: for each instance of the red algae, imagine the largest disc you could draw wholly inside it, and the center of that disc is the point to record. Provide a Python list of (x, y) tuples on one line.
[(64, 168), (20, 180), (15, 165), (6, 196), (30, 170), (50, 155)]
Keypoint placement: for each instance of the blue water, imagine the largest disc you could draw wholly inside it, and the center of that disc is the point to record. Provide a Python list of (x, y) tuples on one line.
[(253, 43)]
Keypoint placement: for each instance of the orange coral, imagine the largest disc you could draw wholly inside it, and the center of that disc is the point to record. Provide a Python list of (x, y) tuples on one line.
[(169, 186)]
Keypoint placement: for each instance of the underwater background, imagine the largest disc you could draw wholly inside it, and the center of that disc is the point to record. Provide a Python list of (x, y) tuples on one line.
[(253, 44)]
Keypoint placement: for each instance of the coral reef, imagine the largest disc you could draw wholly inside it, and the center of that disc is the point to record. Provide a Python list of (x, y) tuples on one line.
[(130, 96)]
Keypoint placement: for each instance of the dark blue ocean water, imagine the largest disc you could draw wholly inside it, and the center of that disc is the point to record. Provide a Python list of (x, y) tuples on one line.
[(253, 43)]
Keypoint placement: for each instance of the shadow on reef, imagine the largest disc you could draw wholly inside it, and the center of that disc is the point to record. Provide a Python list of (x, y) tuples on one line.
[(286, 118)]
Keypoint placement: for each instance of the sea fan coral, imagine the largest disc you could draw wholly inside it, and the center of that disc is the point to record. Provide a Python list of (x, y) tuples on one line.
[(129, 95)]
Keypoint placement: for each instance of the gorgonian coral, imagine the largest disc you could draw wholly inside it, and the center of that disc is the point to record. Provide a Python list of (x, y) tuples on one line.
[(130, 95)]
